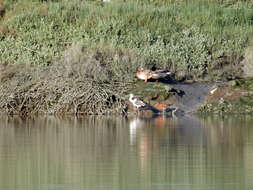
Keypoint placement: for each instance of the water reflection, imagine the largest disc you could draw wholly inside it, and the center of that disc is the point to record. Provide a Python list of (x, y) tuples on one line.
[(126, 153)]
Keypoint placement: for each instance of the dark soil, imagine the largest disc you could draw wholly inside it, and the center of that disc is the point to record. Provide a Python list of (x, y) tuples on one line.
[(193, 94)]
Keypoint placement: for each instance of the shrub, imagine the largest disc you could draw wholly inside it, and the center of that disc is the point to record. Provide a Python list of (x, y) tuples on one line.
[(100, 64), (189, 34), (248, 62)]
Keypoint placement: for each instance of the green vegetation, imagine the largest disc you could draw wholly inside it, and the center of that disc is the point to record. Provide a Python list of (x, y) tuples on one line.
[(186, 34), (244, 84), (108, 42), (242, 105), (240, 101)]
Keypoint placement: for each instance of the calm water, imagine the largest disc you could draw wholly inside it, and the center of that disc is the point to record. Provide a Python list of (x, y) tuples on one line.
[(116, 153)]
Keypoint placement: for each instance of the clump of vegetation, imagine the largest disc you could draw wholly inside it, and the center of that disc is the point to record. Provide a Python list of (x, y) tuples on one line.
[(194, 36), (153, 91), (243, 84), (2, 9), (237, 98), (72, 86), (242, 105), (248, 62), (100, 64)]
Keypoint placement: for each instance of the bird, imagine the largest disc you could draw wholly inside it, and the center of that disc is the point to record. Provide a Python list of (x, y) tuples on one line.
[(161, 106), (145, 74), (136, 102), (158, 74), (174, 112)]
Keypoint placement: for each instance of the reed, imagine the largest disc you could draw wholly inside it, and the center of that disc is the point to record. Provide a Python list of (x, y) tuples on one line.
[(38, 32)]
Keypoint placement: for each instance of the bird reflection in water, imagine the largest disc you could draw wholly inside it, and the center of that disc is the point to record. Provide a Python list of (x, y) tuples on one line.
[(143, 131), (139, 138), (160, 121), (134, 125)]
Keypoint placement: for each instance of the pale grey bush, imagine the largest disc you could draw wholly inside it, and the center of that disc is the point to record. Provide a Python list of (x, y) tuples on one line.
[(248, 62), (102, 65)]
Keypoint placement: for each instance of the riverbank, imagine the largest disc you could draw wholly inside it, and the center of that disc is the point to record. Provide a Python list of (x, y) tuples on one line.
[(81, 57), (64, 90), (234, 98), (57, 90)]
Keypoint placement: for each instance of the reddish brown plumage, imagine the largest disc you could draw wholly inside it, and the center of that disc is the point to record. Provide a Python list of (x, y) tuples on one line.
[(161, 106)]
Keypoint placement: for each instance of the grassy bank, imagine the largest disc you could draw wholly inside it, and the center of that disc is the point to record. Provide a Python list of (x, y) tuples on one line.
[(190, 35), (236, 98), (107, 42)]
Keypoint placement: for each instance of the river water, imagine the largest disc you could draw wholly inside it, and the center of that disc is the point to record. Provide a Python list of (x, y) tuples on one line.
[(116, 153)]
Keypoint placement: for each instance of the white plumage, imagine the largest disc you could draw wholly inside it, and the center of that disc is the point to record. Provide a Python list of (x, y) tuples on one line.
[(136, 102), (213, 90)]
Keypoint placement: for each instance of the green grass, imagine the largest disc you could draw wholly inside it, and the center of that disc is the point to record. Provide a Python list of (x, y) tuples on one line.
[(188, 34), (245, 84)]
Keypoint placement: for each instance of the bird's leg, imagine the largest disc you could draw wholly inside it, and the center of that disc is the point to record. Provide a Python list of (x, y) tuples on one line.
[(146, 79), (137, 110)]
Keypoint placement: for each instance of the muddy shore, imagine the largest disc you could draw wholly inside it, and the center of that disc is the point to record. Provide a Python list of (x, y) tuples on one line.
[(27, 91)]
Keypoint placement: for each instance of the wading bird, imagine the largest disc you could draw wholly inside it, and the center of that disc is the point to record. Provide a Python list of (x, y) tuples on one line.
[(136, 102), (161, 106)]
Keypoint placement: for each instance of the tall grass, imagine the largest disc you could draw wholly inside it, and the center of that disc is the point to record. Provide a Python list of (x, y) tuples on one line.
[(182, 33)]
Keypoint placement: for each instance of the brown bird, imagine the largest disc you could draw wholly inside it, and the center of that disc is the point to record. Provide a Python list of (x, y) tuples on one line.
[(161, 106), (145, 74), (158, 74)]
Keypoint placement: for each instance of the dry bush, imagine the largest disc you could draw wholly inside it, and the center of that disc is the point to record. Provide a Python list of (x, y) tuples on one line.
[(248, 62), (30, 92), (100, 64), (83, 82)]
